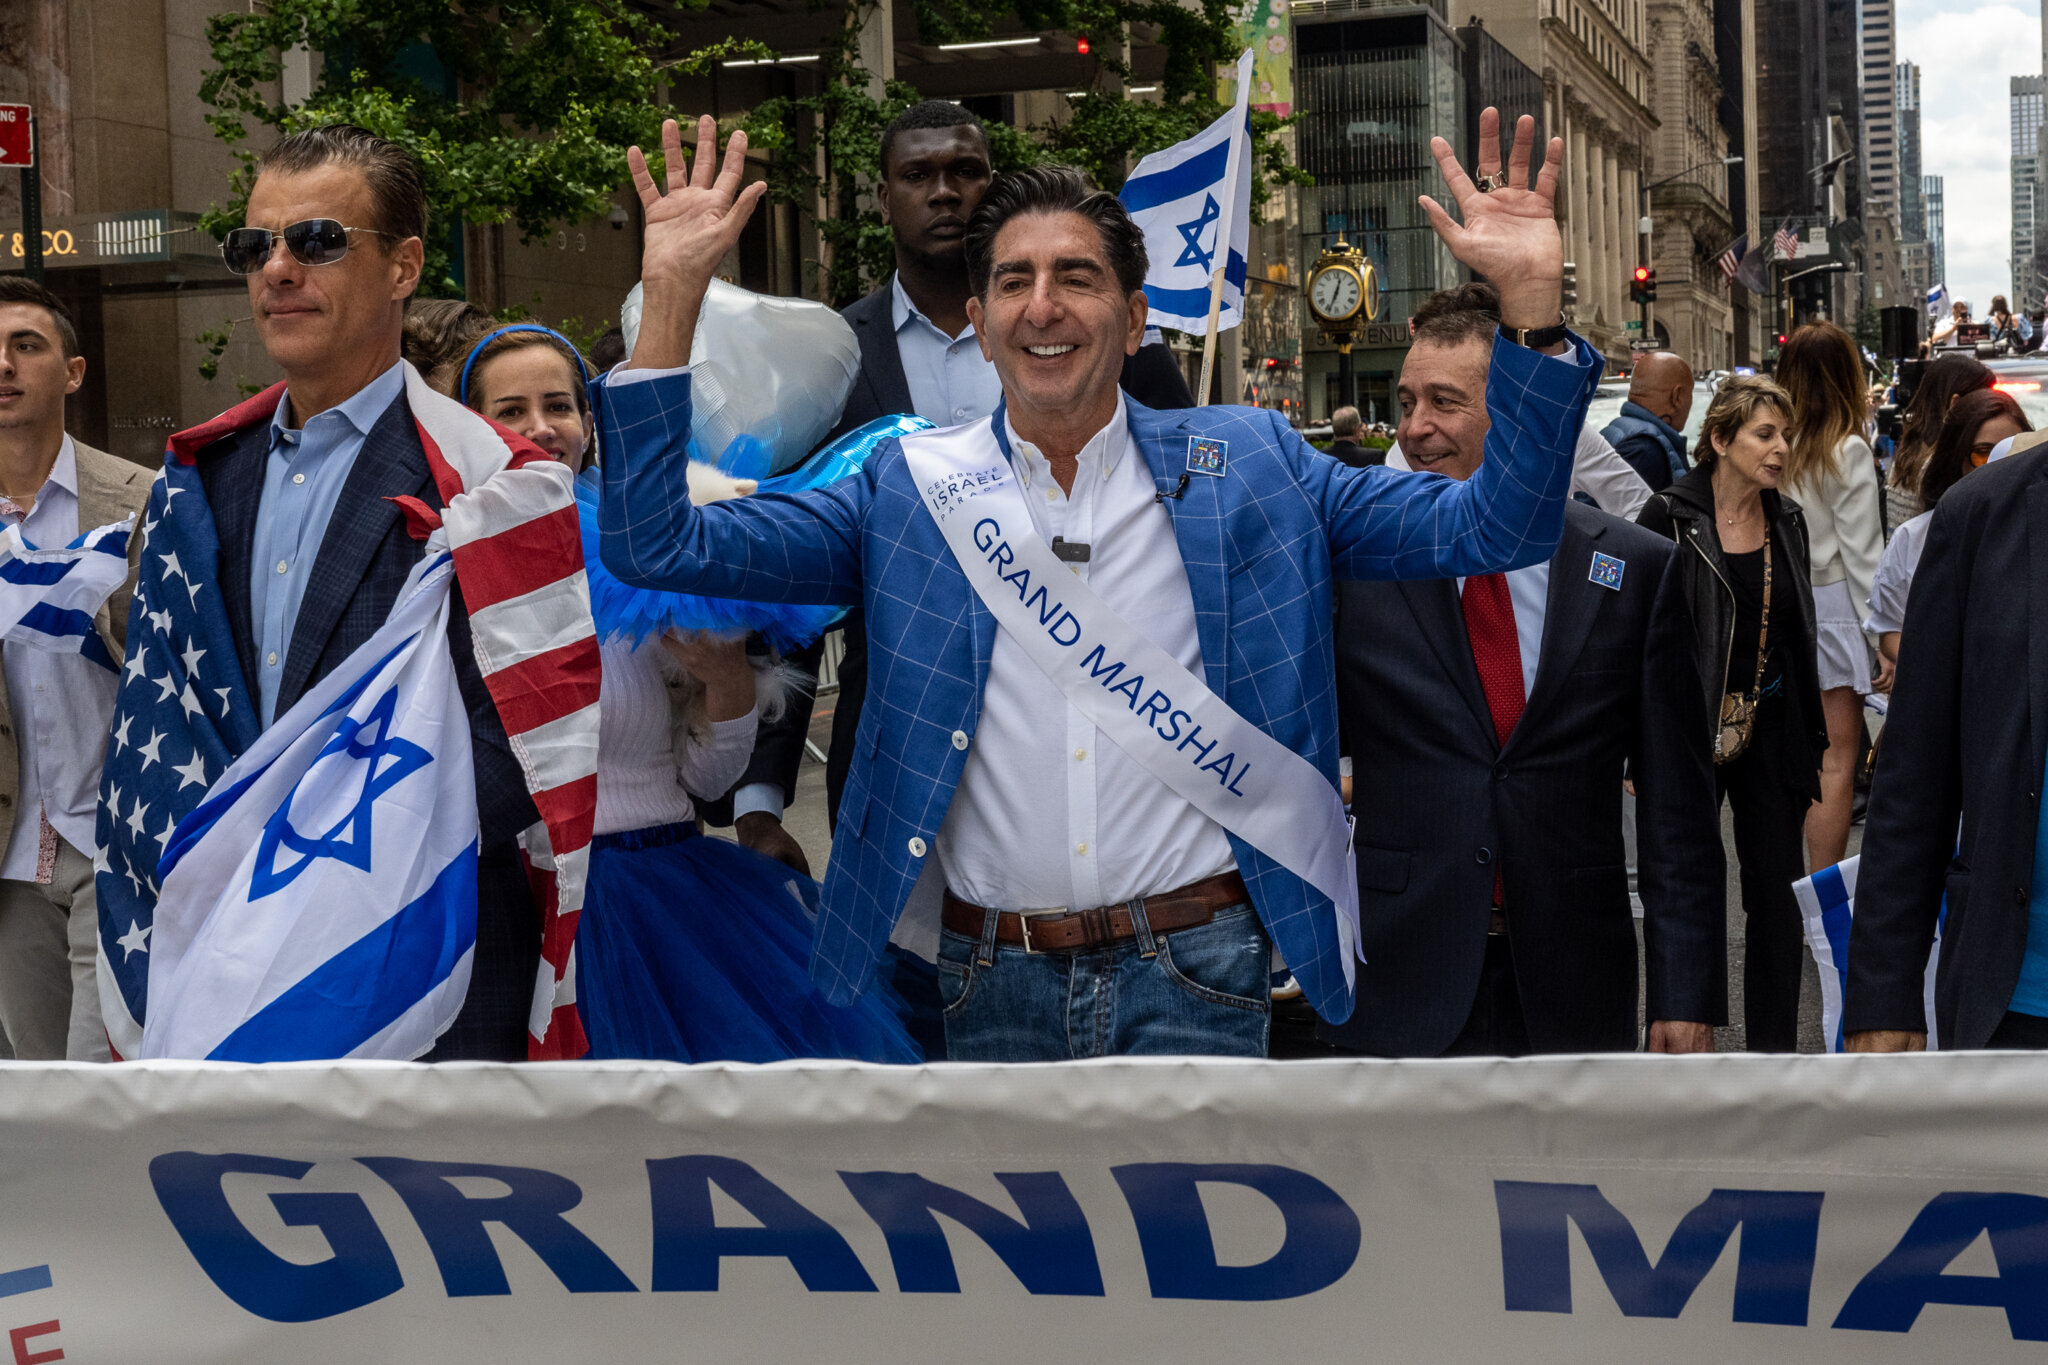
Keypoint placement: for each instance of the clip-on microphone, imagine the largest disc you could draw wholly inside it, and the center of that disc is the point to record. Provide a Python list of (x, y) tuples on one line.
[(1180, 491)]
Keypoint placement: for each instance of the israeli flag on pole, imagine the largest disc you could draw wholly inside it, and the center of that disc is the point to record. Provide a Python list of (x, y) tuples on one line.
[(1827, 902), (49, 597), (321, 902), (1190, 201), (1937, 300)]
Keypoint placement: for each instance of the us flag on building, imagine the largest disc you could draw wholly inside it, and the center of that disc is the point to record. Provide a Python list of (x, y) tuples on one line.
[(1786, 240), (1730, 260), (184, 712)]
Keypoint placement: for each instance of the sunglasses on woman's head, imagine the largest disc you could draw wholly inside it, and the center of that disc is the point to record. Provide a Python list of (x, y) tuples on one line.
[(316, 241)]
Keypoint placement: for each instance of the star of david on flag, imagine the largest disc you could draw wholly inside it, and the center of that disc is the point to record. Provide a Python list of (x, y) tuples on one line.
[(361, 800), (1193, 203), (310, 890)]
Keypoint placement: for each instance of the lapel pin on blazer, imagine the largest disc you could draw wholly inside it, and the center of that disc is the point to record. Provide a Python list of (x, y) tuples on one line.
[(1206, 456), (1607, 571)]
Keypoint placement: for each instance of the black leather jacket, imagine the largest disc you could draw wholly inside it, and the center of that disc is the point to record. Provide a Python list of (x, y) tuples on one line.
[(1685, 512)]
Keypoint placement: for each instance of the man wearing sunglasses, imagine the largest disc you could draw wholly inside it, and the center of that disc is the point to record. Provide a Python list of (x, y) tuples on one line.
[(313, 551)]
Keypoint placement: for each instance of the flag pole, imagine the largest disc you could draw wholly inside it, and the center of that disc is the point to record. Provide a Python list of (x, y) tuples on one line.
[(1215, 310), (1226, 223)]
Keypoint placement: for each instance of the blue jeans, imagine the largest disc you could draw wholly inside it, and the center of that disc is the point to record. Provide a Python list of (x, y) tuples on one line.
[(1200, 991)]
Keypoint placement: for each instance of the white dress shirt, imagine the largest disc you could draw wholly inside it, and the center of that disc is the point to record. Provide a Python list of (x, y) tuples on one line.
[(63, 703), (1050, 813), (950, 381), (1893, 582), (1598, 471)]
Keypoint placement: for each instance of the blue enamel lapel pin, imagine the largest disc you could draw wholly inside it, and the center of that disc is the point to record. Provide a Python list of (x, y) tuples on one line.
[(1206, 456), (1607, 571)]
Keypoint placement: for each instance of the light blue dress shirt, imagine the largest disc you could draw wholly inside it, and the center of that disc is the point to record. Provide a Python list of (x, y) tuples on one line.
[(950, 382), (302, 481)]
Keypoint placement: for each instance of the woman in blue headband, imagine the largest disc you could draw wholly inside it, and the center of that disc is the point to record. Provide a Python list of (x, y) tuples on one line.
[(689, 948)]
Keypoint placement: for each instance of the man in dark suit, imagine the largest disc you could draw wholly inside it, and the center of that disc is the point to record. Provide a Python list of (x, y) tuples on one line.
[(918, 354), (1345, 428), (1964, 741), (313, 552), (1489, 725)]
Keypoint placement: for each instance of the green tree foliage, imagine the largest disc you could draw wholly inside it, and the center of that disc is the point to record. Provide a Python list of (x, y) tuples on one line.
[(519, 110), (1104, 134)]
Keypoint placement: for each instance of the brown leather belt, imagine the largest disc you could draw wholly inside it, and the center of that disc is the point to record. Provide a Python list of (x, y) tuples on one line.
[(1080, 930)]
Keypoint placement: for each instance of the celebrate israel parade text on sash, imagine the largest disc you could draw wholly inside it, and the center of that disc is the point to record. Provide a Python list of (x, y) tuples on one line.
[(300, 890)]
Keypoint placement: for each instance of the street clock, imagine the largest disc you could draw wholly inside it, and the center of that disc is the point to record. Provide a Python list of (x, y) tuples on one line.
[(1343, 290)]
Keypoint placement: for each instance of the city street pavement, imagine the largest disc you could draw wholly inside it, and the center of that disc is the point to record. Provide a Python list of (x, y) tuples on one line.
[(805, 819)]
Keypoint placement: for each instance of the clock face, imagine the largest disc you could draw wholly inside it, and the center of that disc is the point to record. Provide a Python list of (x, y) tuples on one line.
[(1335, 293)]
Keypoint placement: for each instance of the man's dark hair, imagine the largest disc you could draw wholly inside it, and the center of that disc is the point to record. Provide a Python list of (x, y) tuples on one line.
[(22, 289), (397, 188), (1053, 189), (928, 114), (1453, 317)]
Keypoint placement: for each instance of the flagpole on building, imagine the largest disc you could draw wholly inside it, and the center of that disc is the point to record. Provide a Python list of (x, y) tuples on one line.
[(1226, 225)]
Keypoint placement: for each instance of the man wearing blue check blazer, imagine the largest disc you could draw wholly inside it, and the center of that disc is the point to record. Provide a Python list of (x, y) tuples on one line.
[(1101, 717)]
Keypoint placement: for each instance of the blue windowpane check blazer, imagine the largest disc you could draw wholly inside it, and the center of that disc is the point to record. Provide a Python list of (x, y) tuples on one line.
[(1261, 543)]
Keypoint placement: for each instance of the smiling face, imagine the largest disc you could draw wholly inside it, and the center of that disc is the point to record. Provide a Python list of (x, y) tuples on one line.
[(1443, 407), (1055, 322), (1757, 452), (532, 390), (319, 322), (934, 179), (34, 374)]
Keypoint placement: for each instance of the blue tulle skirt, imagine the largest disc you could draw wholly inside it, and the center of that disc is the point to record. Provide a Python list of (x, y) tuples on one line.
[(693, 949)]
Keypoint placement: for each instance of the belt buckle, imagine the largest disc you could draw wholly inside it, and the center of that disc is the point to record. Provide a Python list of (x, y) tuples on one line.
[(1024, 923)]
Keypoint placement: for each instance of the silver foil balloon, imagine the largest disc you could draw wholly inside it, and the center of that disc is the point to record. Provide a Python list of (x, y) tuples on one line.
[(773, 368)]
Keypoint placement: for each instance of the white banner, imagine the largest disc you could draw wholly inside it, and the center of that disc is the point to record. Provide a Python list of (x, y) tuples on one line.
[(1866, 1209)]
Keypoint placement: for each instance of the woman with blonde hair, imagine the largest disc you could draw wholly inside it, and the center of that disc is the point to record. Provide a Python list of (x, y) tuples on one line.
[(1742, 555), (1829, 467)]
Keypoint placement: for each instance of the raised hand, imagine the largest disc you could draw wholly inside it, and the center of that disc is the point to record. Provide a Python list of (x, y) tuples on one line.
[(1507, 235), (689, 230)]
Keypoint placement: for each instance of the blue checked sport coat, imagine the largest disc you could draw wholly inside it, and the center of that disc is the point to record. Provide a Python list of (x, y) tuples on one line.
[(1262, 544)]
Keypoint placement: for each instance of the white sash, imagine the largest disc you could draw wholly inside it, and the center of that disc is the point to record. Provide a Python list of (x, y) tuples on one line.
[(1157, 712)]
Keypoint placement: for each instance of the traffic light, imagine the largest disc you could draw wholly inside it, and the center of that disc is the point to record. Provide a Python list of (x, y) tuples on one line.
[(1642, 287), (1571, 286)]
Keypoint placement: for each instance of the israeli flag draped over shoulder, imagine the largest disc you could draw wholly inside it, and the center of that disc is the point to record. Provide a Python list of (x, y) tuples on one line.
[(1827, 902), (309, 891), (1191, 201), (361, 799), (48, 598)]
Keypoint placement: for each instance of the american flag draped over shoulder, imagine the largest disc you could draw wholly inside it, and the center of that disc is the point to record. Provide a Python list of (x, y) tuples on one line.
[(184, 712)]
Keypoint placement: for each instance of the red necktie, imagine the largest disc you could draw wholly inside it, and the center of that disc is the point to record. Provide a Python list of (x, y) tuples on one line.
[(1496, 649)]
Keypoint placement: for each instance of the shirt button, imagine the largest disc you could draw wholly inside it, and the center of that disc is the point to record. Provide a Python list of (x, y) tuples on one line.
[(959, 739), (298, 478), (1048, 495), (1080, 755), (272, 659), (1082, 849), (283, 567)]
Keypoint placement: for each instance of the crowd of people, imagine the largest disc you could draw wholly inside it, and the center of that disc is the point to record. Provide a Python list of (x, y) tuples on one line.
[(1542, 656)]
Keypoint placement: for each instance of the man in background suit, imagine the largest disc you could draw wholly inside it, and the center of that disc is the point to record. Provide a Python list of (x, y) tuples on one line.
[(918, 353), (1346, 426), (1966, 740), (313, 552), (1488, 723), (55, 708)]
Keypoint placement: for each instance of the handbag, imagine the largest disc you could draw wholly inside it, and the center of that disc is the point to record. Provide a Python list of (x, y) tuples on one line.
[(1738, 709)]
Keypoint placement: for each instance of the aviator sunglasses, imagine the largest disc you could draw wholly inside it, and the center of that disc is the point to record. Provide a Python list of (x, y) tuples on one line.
[(316, 241)]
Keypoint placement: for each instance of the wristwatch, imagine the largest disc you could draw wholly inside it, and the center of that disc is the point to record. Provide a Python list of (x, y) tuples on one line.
[(1537, 338)]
